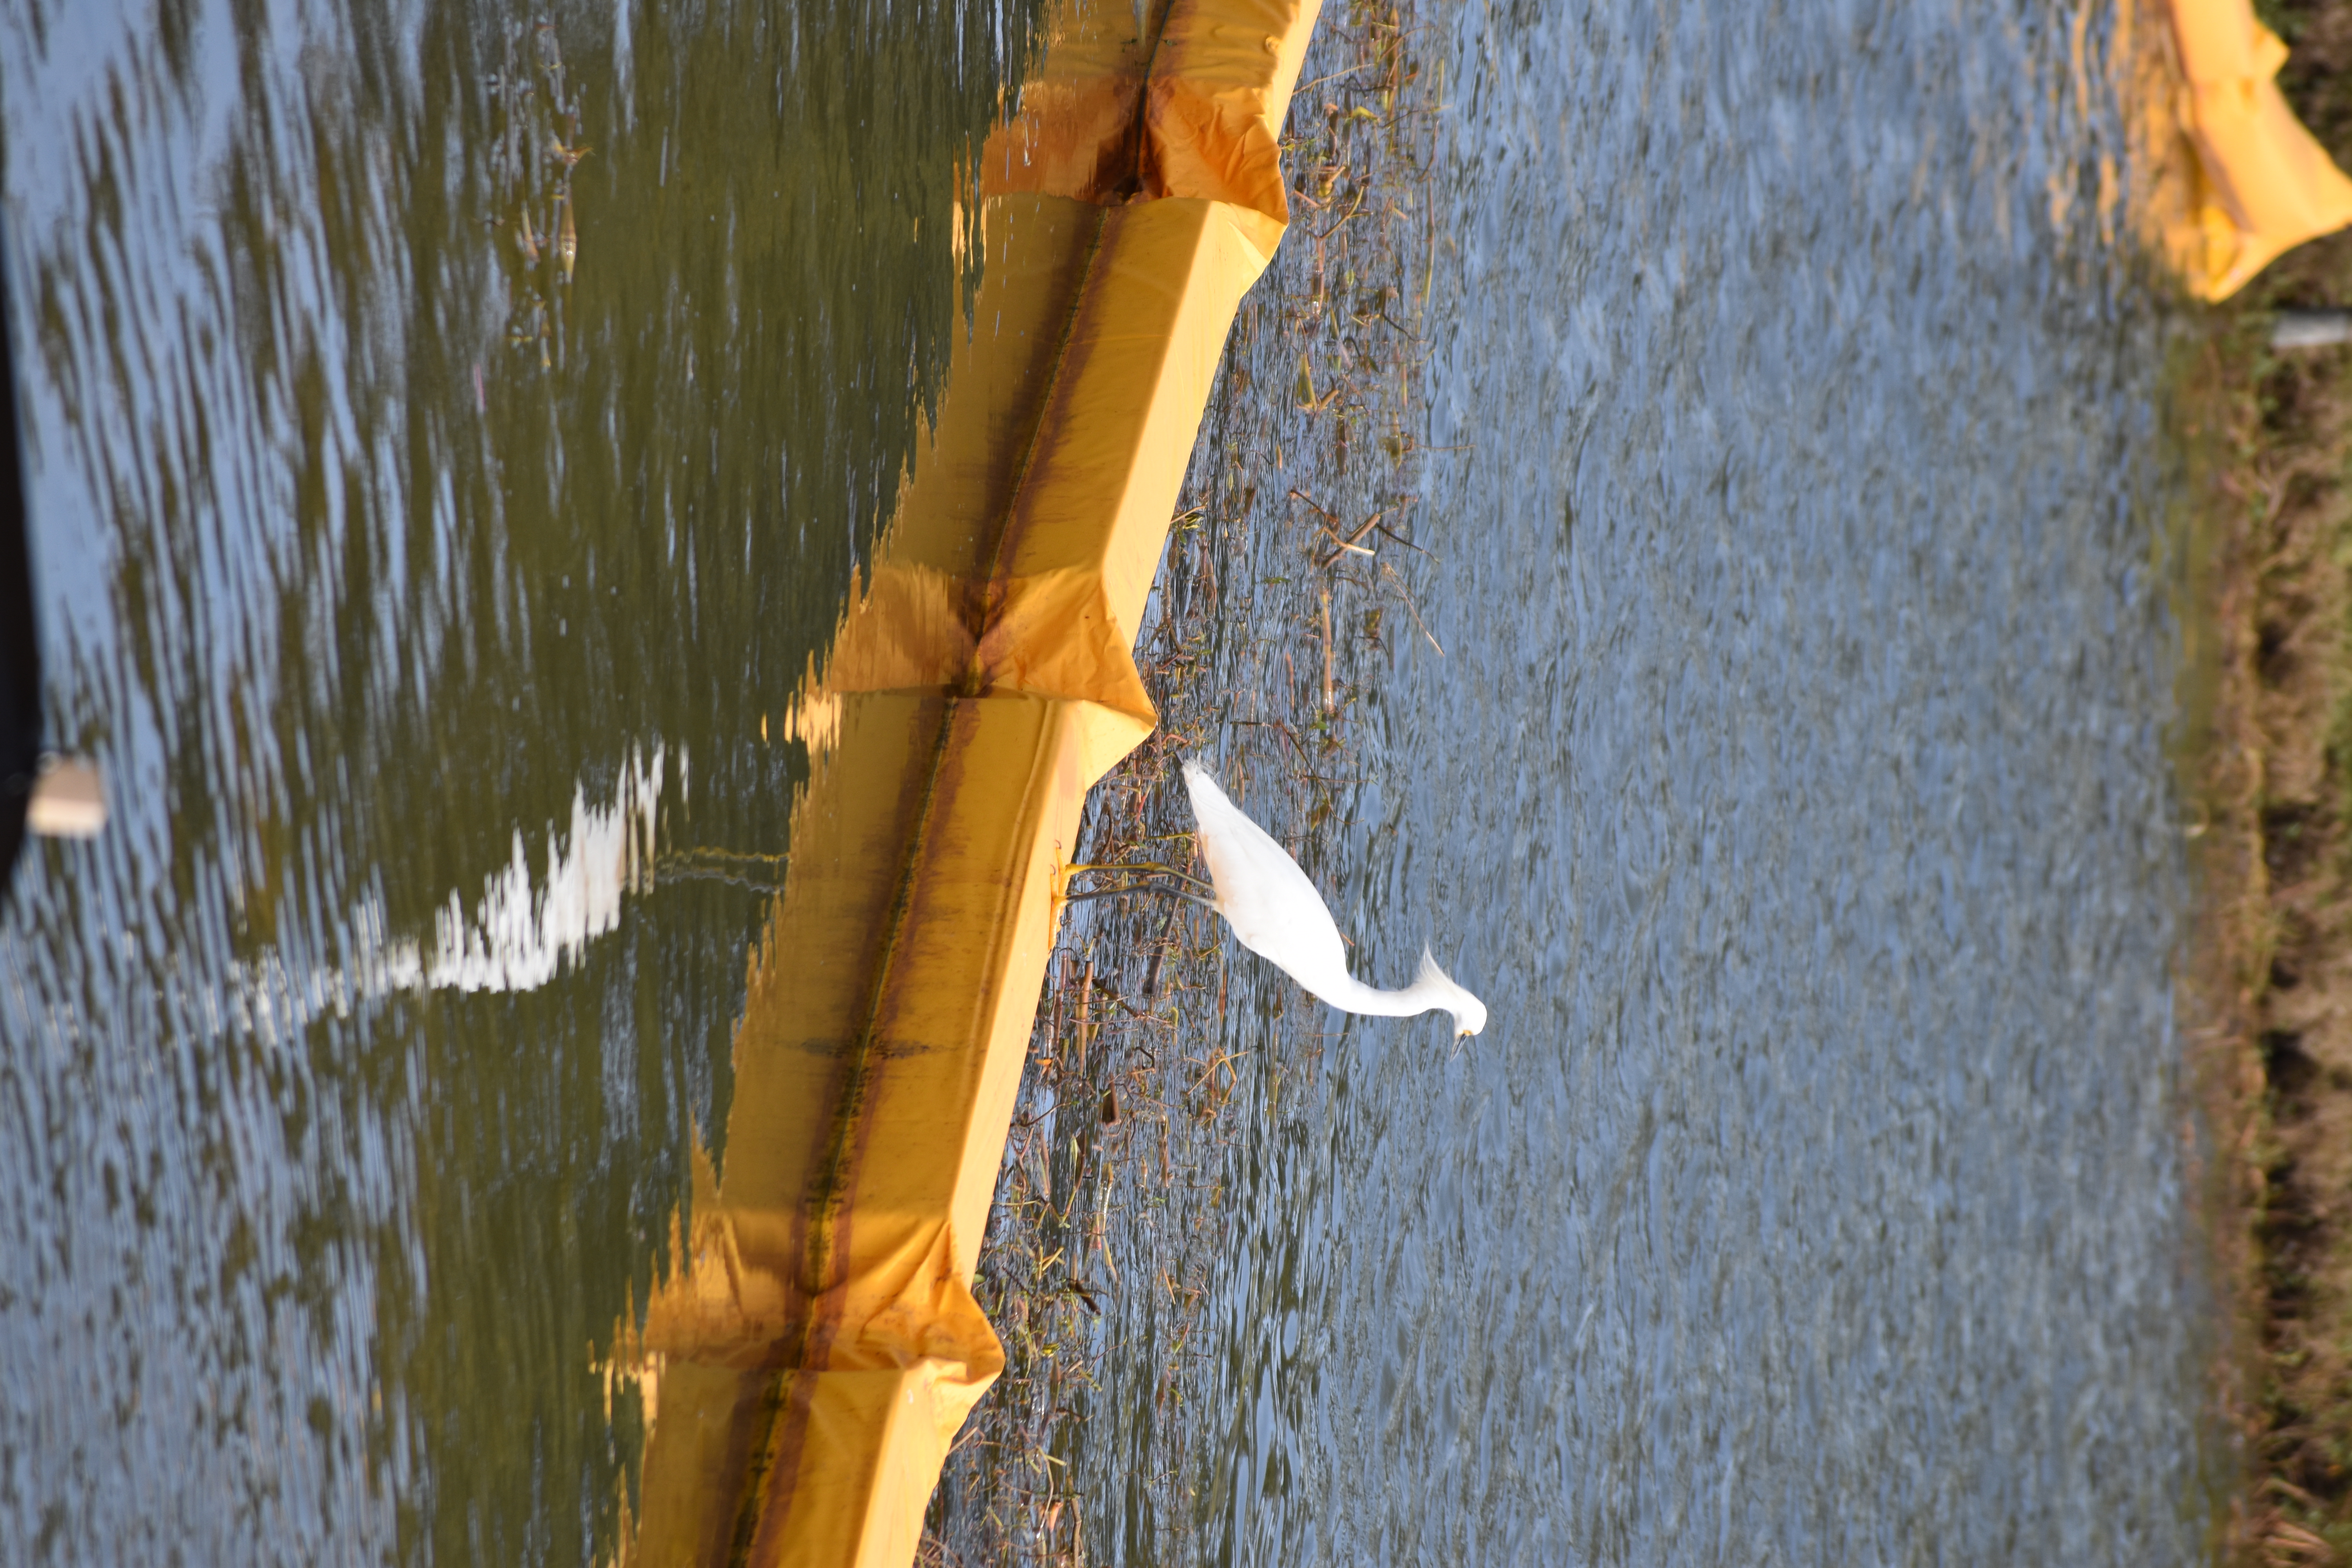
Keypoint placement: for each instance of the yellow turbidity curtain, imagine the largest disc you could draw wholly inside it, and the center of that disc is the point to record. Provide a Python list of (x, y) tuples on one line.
[(818, 1347), (2262, 185)]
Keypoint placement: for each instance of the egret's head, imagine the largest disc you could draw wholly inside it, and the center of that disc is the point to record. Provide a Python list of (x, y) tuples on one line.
[(1469, 1013)]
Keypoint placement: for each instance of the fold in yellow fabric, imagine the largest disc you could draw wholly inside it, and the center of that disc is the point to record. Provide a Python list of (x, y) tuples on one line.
[(2262, 185), (817, 1347)]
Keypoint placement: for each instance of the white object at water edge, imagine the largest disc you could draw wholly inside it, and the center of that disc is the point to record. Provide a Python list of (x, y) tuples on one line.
[(2311, 328), (69, 799)]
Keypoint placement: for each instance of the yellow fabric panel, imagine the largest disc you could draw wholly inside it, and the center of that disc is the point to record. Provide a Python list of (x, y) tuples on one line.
[(1221, 85), (887, 996), (877, 1066), (2264, 185), (1035, 251), (864, 1522), (1030, 575), (1196, 110), (810, 1360), (1143, 348)]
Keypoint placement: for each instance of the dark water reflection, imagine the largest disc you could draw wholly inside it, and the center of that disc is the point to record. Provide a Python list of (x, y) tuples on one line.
[(430, 611), (1794, 788)]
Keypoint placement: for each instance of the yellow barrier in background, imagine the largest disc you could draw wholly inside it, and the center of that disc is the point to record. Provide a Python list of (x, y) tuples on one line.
[(2261, 185), (816, 1349)]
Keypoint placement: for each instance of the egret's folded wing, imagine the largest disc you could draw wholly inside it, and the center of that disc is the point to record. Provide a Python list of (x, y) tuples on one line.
[(1275, 910)]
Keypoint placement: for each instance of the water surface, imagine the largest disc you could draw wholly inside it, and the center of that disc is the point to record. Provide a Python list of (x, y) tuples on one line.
[(1791, 784), (1793, 787), (428, 601)]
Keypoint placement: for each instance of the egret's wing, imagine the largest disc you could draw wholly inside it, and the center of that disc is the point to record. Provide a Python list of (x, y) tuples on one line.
[(1272, 906)]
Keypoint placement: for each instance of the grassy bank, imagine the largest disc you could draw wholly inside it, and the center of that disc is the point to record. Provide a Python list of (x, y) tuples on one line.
[(2268, 436)]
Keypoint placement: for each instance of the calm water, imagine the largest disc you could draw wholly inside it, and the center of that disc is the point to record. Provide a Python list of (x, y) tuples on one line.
[(1792, 787)]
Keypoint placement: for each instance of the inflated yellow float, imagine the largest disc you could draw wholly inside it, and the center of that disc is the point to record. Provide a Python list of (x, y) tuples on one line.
[(2261, 185), (812, 1356)]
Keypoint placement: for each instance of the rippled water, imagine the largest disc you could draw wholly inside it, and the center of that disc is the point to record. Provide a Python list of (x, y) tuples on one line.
[(1793, 787), (426, 607)]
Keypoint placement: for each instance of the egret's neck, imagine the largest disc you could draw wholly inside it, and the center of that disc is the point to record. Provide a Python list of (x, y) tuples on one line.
[(1350, 995)]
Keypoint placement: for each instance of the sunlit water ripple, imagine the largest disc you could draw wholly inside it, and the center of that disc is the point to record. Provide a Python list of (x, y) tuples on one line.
[(1794, 788)]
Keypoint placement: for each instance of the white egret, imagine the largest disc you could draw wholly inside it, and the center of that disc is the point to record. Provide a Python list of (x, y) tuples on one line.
[(1276, 913)]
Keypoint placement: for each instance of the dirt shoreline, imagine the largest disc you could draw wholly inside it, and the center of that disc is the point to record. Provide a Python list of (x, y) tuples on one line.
[(2268, 971), (2266, 769)]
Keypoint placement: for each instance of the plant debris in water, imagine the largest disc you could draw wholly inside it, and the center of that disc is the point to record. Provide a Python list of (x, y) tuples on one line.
[(537, 147), (1287, 580)]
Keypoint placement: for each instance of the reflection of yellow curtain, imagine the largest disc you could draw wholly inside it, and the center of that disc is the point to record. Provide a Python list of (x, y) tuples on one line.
[(2266, 185), (807, 1366)]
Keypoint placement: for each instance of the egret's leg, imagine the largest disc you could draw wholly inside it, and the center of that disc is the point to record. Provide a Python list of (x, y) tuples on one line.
[(1150, 866), (1162, 890), (1159, 953)]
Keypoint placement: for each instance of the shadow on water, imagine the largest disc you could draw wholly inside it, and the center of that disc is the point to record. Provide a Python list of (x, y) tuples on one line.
[(431, 598)]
